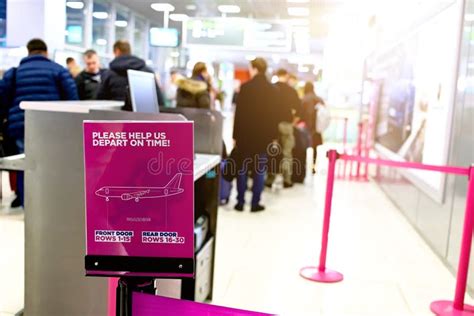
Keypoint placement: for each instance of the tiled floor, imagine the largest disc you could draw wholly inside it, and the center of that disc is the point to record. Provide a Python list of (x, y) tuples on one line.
[(388, 268), (12, 243)]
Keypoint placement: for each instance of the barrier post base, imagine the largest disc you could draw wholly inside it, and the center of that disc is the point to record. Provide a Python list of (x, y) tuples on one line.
[(446, 308), (325, 276)]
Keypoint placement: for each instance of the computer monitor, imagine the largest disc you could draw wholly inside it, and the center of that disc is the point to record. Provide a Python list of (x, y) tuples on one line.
[(143, 91)]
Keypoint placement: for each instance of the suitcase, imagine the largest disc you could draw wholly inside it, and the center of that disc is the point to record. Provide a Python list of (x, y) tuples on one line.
[(225, 187), (302, 142)]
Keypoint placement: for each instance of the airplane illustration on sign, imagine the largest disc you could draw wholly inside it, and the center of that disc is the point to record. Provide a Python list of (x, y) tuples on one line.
[(138, 193)]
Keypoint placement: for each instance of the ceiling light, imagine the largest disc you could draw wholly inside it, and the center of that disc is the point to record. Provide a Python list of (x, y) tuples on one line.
[(298, 11), (178, 17), (263, 26), (299, 22), (228, 8), (100, 15), (121, 23), (250, 57), (297, 1), (162, 7), (75, 4), (300, 30), (302, 68), (328, 18), (191, 7), (101, 41)]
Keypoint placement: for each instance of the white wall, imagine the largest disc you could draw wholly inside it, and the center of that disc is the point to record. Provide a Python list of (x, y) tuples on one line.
[(54, 23), (24, 21), (45, 19)]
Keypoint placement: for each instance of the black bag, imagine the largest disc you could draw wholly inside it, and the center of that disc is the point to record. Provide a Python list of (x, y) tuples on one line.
[(225, 187), (302, 142), (7, 144), (231, 166)]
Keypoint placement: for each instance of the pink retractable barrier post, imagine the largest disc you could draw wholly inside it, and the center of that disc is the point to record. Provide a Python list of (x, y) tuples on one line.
[(341, 172), (112, 296), (359, 148), (457, 307), (362, 149), (321, 273), (344, 145), (440, 308)]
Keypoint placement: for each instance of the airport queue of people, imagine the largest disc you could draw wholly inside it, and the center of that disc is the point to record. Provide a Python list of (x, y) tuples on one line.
[(269, 118), (271, 124), (38, 78)]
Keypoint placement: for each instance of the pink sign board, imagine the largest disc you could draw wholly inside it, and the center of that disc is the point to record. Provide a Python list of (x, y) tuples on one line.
[(139, 189), (151, 305)]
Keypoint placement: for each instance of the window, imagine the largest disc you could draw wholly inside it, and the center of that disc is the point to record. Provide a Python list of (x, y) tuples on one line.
[(3, 22), (75, 20), (140, 34), (122, 21), (100, 26)]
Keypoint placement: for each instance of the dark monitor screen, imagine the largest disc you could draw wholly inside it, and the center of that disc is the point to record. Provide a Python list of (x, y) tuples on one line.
[(143, 91)]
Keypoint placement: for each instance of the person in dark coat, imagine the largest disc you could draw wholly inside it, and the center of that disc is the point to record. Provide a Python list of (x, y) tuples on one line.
[(194, 92), (287, 112), (88, 81), (310, 101), (114, 83), (73, 67), (37, 78), (255, 130)]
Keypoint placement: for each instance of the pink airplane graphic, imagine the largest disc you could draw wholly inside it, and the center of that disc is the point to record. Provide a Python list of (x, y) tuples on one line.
[(138, 193)]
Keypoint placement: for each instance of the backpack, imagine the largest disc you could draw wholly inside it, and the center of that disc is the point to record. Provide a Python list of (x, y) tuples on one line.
[(323, 118), (7, 144), (10, 97)]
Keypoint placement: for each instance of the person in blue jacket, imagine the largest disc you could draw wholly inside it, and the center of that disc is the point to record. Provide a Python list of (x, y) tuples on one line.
[(37, 78)]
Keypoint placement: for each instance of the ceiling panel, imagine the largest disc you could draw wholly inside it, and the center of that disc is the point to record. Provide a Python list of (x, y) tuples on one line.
[(258, 9)]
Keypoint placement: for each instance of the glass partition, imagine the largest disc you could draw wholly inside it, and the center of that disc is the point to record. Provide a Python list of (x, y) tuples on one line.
[(101, 25), (75, 22), (122, 21), (140, 34), (3, 22)]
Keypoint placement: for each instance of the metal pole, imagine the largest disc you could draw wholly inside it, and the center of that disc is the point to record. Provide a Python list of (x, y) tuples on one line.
[(359, 149), (344, 144), (321, 274), (463, 267), (88, 9), (332, 156), (366, 151), (457, 307), (166, 19)]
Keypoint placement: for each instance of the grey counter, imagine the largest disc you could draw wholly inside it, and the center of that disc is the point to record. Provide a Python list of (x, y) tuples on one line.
[(55, 282)]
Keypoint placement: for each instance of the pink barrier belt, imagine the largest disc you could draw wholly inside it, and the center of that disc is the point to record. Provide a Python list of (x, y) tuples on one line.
[(404, 164), (440, 308), (339, 118)]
